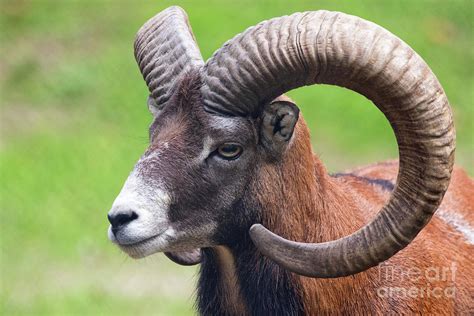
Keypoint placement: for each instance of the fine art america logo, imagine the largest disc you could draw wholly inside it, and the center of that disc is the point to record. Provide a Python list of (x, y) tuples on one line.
[(432, 281)]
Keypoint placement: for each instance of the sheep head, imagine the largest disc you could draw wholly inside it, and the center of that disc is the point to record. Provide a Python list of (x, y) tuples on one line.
[(216, 123)]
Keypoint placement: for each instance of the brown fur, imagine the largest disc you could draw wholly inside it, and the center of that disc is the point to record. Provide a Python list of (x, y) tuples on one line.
[(309, 205), (229, 285)]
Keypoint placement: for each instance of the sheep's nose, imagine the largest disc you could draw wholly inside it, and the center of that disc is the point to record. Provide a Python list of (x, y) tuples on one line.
[(121, 219)]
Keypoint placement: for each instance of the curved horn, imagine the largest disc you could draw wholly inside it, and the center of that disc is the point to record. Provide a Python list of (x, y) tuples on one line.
[(165, 48), (334, 48)]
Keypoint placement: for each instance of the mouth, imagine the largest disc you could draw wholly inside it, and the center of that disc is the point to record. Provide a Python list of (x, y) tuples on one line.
[(138, 243), (141, 248), (144, 247)]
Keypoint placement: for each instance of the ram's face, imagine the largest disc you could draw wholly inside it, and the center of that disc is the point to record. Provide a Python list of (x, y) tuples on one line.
[(185, 184)]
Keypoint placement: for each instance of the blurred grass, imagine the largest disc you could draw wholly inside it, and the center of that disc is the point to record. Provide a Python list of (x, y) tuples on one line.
[(74, 121)]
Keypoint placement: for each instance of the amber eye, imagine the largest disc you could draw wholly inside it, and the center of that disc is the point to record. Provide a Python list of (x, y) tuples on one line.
[(229, 151)]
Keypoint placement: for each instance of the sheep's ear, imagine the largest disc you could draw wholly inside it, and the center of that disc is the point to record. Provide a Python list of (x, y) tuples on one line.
[(278, 123), (153, 107)]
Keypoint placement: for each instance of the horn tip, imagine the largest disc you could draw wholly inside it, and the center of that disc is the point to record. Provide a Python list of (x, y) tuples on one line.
[(259, 234), (255, 228)]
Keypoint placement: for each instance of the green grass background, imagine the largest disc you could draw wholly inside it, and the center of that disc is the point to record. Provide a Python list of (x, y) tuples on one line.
[(74, 121)]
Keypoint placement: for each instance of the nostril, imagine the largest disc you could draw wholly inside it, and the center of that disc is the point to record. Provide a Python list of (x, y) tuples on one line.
[(121, 219)]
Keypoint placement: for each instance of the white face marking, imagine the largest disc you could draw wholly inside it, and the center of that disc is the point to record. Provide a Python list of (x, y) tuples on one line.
[(151, 156), (458, 222), (152, 230), (223, 123), (151, 245), (151, 203), (155, 154), (206, 149)]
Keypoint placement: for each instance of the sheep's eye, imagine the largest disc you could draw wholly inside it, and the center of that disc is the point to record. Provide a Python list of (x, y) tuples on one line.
[(229, 151)]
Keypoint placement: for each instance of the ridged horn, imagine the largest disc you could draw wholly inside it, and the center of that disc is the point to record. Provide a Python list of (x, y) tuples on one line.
[(334, 48), (165, 49)]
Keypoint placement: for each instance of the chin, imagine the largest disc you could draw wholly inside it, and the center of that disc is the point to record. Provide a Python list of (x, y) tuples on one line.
[(137, 247)]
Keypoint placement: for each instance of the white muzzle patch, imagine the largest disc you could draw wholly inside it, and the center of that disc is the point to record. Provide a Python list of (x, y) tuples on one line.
[(150, 231)]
